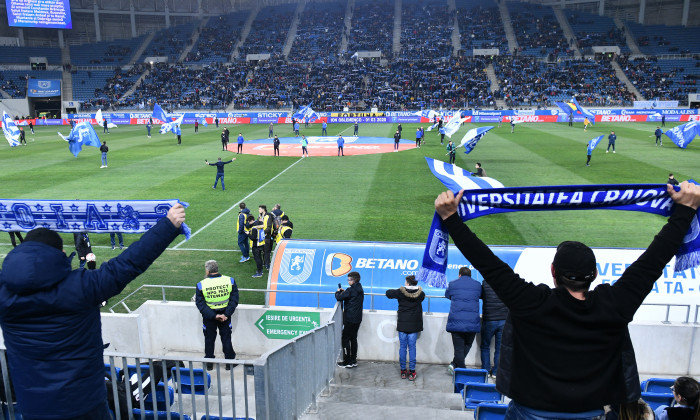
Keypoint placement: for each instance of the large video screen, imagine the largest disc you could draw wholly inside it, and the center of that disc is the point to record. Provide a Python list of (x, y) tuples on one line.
[(39, 13)]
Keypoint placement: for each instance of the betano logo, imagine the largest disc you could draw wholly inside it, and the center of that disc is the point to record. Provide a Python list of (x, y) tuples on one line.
[(342, 262)]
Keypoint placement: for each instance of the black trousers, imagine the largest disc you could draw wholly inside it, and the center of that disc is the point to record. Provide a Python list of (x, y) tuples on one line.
[(12, 238), (258, 257), (588, 159), (462, 343), (210, 326), (268, 251), (239, 149), (452, 157), (349, 340)]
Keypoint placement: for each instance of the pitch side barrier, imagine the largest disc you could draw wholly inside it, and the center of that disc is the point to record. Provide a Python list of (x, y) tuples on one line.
[(395, 117), (318, 266)]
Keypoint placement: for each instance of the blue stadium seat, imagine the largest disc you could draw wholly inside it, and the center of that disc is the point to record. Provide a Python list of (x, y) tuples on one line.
[(658, 385), (161, 403), (204, 417), (160, 415), (477, 393), (187, 386), (117, 371), (462, 376), (131, 369), (490, 411), (655, 399)]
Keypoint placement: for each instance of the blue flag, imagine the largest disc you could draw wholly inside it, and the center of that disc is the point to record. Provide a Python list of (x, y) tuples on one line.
[(684, 134), (472, 137), (81, 134), (593, 143), (203, 121), (306, 113), (567, 107), (453, 125), (586, 113), (159, 114), (10, 130), (455, 178)]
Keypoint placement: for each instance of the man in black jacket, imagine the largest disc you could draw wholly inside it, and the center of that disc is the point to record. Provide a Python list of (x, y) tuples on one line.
[(493, 319), (353, 297), (409, 322), (567, 349)]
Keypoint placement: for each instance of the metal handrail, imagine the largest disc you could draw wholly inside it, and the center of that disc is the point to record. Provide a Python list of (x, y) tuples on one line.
[(318, 294)]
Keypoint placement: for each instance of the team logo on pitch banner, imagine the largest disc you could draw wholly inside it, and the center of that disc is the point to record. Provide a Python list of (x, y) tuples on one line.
[(438, 247), (44, 84), (297, 265)]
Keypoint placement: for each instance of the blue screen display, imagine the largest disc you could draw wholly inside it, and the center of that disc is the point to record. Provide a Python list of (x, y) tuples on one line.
[(39, 13)]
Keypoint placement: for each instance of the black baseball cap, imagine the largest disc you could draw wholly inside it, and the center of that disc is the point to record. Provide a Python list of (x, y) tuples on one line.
[(575, 261), (45, 236)]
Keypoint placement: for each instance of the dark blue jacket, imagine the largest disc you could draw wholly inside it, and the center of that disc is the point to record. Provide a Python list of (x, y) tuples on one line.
[(50, 319), (464, 308), (353, 299)]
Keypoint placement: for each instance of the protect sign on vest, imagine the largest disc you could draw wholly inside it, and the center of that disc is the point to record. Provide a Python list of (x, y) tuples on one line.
[(217, 291)]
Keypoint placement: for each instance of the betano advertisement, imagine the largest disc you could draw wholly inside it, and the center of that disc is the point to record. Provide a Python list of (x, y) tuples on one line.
[(395, 117), (307, 267)]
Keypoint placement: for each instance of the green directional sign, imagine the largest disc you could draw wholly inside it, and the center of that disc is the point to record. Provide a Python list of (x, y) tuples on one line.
[(287, 324)]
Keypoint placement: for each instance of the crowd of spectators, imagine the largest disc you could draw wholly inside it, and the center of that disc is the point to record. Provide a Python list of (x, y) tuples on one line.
[(538, 32), (481, 27), (319, 33), (269, 31), (426, 30), (171, 42), (525, 81), (217, 39), (372, 27), (9, 85), (663, 79)]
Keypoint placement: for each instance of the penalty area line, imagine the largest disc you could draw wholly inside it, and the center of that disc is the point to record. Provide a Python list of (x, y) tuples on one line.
[(235, 205)]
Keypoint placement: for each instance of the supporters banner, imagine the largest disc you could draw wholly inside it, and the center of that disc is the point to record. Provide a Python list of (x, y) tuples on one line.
[(310, 266), (405, 117), (37, 88)]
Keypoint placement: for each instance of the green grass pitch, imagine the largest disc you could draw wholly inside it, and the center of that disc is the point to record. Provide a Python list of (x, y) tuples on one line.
[(383, 197)]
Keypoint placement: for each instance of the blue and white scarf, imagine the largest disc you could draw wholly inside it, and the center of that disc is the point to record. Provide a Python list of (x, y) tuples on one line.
[(94, 216), (648, 198)]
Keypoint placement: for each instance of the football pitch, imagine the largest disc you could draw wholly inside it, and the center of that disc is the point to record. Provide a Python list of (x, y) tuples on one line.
[(381, 198)]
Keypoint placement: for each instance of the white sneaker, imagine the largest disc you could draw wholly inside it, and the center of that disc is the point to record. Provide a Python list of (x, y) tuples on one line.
[(614, 151), (607, 151)]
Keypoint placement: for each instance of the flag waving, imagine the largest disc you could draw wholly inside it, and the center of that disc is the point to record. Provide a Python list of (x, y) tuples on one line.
[(306, 113), (454, 124), (593, 143), (10, 130), (472, 137), (586, 113), (100, 120), (81, 134), (684, 134), (159, 114)]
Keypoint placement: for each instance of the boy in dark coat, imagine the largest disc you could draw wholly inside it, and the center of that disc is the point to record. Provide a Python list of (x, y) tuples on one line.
[(409, 322), (463, 321), (353, 298)]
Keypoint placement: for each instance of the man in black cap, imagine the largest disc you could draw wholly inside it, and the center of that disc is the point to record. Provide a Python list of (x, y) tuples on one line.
[(566, 350), (50, 319)]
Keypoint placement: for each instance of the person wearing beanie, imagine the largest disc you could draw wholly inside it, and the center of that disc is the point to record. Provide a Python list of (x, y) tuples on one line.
[(50, 319), (409, 323), (566, 350)]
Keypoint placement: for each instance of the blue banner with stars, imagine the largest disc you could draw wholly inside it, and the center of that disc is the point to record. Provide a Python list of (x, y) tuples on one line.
[(94, 216)]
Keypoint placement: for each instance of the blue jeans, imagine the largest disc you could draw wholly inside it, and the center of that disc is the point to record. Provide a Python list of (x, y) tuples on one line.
[(488, 330), (104, 158), (244, 245), (119, 236), (406, 339), (520, 412), (217, 181)]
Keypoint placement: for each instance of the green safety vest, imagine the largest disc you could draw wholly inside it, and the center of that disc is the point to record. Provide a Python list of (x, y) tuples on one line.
[(217, 291)]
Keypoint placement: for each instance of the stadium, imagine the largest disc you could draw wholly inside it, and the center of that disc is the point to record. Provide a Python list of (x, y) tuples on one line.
[(529, 73)]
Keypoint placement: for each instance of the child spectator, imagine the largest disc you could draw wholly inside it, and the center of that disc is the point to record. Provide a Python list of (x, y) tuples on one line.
[(409, 322)]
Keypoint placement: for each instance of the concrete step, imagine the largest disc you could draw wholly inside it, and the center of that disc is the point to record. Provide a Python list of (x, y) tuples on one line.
[(406, 394), (395, 409), (380, 375)]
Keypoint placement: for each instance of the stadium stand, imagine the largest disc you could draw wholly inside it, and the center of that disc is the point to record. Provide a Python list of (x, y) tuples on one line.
[(426, 30), (663, 79), (665, 40), (269, 30), (480, 26), (594, 30), (372, 27), (537, 31), (110, 53), (20, 55), (170, 42), (319, 33), (217, 39)]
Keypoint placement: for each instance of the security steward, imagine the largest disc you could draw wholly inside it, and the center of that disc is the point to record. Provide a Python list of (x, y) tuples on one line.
[(216, 299), (285, 230)]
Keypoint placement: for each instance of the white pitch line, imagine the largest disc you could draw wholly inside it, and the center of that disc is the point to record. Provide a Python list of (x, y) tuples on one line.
[(235, 205)]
